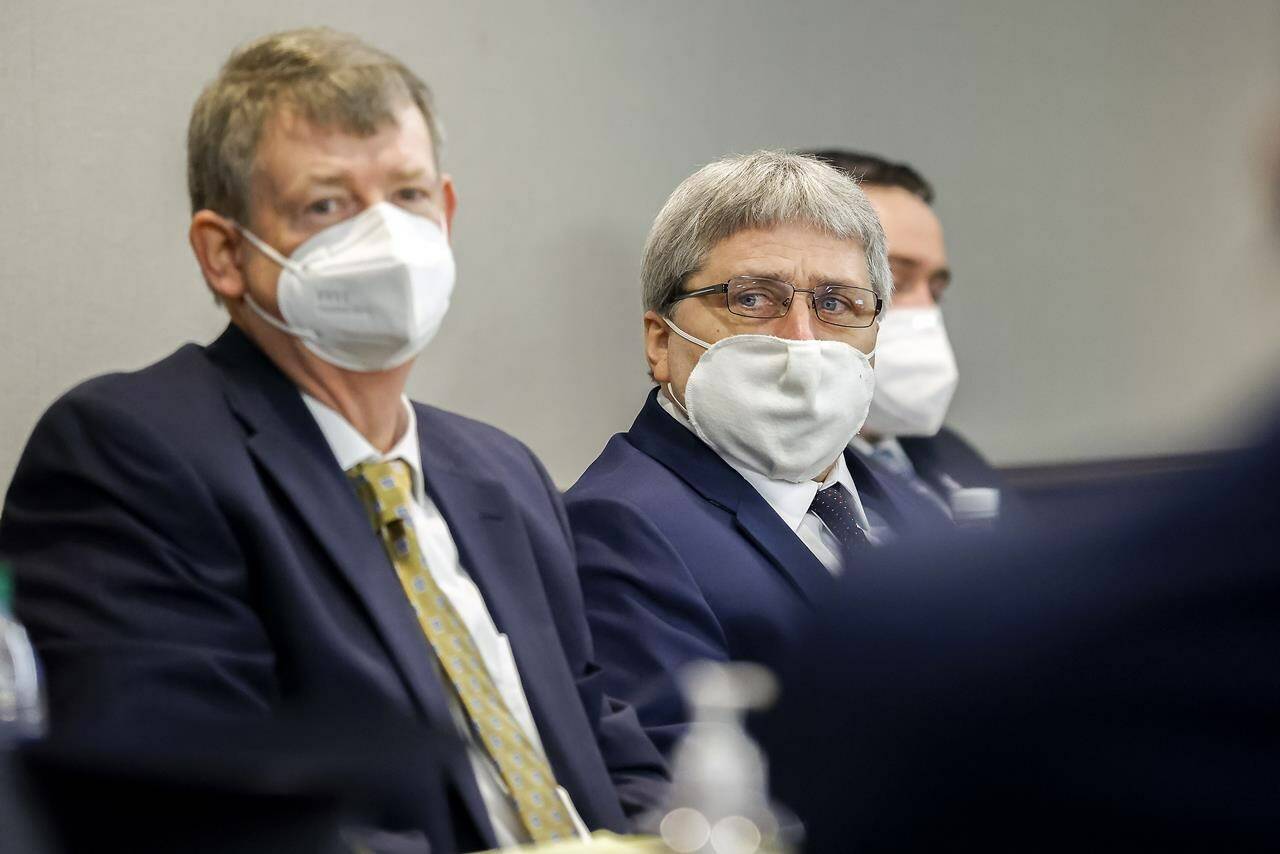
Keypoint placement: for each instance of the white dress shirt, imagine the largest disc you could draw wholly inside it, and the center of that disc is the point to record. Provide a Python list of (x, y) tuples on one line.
[(791, 501), (351, 448)]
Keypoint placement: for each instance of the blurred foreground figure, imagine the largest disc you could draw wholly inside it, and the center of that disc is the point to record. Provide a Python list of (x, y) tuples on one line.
[(1107, 687), (916, 374), (269, 524)]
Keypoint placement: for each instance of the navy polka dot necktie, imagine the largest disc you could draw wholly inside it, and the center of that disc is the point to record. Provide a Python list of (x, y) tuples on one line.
[(834, 506)]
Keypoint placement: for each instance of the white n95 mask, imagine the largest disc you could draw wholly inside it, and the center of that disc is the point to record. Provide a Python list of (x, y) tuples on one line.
[(780, 407), (368, 293), (916, 374)]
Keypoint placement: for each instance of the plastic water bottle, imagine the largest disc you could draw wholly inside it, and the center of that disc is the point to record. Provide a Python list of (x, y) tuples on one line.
[(719, 802), (22, 708)]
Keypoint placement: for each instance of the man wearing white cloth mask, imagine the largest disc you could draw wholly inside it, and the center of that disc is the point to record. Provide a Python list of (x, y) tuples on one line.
[(715, 523), (916, 375), (268, 523)]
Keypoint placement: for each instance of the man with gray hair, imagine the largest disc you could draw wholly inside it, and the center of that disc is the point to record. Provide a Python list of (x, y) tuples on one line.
[(710, 528)]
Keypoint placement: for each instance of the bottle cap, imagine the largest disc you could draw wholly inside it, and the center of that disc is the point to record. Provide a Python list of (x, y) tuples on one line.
[(975, 503)]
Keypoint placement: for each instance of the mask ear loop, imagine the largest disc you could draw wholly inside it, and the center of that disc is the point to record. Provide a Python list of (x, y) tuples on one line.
[(671, 396), (266, 249), (686, 336), (304, 334)]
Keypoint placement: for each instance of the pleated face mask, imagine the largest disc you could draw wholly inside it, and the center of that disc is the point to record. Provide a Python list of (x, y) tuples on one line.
[(916, 374), (780, 407), (368, 293)]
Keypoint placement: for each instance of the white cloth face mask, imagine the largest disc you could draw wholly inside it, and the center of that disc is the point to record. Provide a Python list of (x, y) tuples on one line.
[(368, 293), (780, 407), (916, 374)]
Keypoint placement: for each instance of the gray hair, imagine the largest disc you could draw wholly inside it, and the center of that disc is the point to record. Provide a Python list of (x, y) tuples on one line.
[(765, 189)]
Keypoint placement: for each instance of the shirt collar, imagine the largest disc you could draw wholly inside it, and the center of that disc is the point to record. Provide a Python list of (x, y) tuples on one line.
[(350, 448), (791, 501)]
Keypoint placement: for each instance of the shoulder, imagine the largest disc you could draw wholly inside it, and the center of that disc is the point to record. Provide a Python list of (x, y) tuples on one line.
[(630, 502), (948, 441), (175, 394), (949, 452), (624, 473), (476, 448), (452, 427)]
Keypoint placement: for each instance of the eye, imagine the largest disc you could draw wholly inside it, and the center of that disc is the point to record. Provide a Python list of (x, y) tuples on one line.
[(754, 301), (416, 199), (323, 207), (834, 303)]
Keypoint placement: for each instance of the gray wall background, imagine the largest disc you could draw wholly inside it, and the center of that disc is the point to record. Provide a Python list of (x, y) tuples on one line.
[(1096, 165)]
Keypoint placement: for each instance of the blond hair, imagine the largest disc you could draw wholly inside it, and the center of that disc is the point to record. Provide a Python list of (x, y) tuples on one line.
[(328, 78)]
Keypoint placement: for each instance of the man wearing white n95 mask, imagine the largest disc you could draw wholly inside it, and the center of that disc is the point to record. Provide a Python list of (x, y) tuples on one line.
[(916, 372), (268, 523), (712, 527)]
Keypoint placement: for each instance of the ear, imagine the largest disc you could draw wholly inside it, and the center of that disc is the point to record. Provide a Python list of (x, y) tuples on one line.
[(450, 198), (216, 243), (657, 335)]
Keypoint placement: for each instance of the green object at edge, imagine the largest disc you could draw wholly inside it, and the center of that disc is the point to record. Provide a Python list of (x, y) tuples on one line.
[(6, 589)]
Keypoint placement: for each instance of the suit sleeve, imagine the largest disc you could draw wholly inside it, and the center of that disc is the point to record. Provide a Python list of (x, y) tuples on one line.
[(129, 579), (638, 771), (950, 453), (637, 586)]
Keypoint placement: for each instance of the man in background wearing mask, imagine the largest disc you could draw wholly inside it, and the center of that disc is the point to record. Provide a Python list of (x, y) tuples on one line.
[(916, 373), (713, 526), (269, 524)]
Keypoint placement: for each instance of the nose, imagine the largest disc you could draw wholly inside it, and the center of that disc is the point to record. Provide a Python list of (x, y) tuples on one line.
[(800, 322)]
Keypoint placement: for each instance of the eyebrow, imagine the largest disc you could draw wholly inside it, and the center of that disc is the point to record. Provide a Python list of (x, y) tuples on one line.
[(326, 178), (943, 275), (411, 174), (816, 282), (761, 273)]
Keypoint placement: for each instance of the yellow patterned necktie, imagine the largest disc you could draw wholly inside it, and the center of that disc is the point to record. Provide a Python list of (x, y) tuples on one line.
[(386, 490)]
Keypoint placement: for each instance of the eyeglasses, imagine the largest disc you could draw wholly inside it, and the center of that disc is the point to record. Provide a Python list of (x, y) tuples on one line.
[(839, 305)]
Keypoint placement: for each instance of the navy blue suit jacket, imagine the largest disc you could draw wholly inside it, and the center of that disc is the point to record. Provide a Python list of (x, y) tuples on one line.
[(681, 559), (1094, 687), (946, 454), (188, 550)]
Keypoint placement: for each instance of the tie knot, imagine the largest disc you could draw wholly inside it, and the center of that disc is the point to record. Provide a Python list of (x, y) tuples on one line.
[(386, 489)]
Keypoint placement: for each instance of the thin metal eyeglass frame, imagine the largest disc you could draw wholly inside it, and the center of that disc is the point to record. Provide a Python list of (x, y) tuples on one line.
[(723, 288)]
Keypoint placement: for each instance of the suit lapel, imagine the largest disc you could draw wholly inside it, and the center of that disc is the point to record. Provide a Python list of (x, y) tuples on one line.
[(676, 447), (894, 498), (494, 547), (785, 549), (293, 453)]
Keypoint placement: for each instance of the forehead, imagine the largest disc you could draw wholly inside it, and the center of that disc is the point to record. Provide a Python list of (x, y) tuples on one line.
[(910, 226), (292, 148), (787, 250)]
